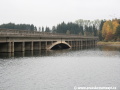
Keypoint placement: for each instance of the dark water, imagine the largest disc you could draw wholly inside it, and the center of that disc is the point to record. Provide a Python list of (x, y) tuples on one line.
[(60, 69)]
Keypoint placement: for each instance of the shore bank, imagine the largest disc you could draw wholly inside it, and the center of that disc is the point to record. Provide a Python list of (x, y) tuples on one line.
[(108, 44)]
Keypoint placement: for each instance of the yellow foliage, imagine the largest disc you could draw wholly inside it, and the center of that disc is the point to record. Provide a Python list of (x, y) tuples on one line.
[(109, 29)]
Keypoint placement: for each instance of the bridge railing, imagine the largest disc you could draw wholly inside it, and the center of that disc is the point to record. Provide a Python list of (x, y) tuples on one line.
[(12, 32)]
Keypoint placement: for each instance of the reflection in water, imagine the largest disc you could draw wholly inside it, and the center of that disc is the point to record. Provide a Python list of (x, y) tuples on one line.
[(43, 53), (110, 48), (40, 53)]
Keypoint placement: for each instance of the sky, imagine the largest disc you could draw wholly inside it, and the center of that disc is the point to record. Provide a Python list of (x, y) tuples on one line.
[(52, 12)]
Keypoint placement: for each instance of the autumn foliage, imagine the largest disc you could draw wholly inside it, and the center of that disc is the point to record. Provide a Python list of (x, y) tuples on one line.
[(109, 30)]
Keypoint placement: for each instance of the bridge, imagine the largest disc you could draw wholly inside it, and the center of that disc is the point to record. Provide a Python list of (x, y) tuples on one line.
[(23, 40)]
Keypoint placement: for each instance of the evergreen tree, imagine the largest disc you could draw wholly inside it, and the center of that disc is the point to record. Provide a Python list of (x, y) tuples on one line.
[(54, 29), (94, 31), (35, 28), (42, 29), (100, 30), (81, 28), (47, 29), (32, 27), (39, 29)]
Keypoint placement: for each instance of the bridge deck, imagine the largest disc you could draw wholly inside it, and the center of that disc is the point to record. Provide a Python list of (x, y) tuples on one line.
[(25, 33)]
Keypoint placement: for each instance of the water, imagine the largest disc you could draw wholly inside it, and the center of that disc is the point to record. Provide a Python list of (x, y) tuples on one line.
[(60, 69)]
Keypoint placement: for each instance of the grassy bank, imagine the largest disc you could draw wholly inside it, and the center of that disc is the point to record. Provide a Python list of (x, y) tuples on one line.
[(109, 43)]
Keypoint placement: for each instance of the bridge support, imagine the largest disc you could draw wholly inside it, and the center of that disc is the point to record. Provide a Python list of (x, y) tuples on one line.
[(28, 46), (36, 46), (19, 46), (5, 47), (46, 45), (12, 47)]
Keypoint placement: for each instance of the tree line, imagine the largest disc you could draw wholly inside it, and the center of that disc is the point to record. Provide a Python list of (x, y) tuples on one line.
[(30, 27), (106, 30), (79, 27)]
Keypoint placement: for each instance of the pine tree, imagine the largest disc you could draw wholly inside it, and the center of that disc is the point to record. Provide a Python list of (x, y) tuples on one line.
[(39, 29), (47, 29), (42, 29)]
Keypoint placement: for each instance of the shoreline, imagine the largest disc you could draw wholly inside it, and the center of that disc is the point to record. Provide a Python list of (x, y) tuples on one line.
[(108, 44)]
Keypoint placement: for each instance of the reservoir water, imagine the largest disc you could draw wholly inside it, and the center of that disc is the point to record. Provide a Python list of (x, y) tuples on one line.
[(61, 69)]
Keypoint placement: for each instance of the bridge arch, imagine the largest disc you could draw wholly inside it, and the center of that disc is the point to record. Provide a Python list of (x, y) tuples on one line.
[(59, 45)]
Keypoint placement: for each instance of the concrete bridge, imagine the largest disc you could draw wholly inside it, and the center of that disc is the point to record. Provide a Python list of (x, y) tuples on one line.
[(21, 40)]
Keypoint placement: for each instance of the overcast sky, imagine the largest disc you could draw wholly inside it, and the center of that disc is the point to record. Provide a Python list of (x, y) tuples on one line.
[(51, 12)]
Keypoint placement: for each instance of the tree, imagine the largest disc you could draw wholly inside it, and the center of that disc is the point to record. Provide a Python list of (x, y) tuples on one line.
[(32, 27), (100, 30), (35, 28), (109, 29), (90, 28), (39, 29), (81, 28), (47, 29), (117, 34), (42, 29), (54, 29), (94, 30)]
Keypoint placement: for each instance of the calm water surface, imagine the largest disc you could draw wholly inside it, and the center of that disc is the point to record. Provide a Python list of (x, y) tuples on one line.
[(60, 69)]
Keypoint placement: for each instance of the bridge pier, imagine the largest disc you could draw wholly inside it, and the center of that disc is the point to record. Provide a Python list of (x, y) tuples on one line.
[(19, 46), (78, 43), (28, 46), (73, 44), (44, 45), (93, 43), (12, 47), (36, 45), (87, 43), (5, 47)]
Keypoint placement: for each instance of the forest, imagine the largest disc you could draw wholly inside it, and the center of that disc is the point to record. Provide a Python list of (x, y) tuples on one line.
[(79, 27), (19, 26), (106, 30)]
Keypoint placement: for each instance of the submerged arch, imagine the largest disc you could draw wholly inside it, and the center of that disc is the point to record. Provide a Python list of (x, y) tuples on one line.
[(59, 46)]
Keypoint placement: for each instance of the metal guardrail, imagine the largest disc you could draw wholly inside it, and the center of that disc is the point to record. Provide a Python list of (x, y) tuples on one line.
[(26, 33)]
